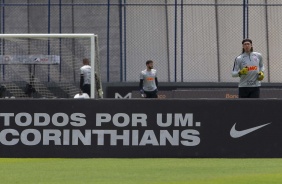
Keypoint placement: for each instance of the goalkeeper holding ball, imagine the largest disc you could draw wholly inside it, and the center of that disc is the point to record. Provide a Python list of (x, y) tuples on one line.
[(249, 67)]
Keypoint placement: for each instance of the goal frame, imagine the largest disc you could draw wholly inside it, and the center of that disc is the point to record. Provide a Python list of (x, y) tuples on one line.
[(70, 35)]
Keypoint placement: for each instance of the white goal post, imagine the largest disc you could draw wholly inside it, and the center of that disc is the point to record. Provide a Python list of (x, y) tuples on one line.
[(49, 63)]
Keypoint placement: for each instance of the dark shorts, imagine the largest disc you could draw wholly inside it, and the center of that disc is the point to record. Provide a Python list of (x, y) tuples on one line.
[(151, 94), (86, 89), (249, 92)]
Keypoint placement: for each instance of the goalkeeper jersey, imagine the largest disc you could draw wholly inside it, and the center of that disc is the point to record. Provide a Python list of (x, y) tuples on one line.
[(254, 63), (149, 79), (85, 70)]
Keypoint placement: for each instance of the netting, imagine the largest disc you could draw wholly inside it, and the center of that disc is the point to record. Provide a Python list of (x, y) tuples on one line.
[(192, 42), (44, 66)]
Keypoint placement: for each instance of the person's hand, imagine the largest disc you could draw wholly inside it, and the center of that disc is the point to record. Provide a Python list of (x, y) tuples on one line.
[(100, 93), (244, 71), (143, 95), (260, 76)]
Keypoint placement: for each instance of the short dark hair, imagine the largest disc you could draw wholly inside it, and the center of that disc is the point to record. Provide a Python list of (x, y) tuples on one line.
[(148, 62), (247, 40), (85, 61)]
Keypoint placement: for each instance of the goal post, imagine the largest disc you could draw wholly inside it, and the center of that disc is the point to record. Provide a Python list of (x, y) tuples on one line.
[(48, 64)]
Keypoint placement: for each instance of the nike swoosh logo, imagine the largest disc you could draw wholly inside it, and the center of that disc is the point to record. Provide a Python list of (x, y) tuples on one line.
[(239, 133)]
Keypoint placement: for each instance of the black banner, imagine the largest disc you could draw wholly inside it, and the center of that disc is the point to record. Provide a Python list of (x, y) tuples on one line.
[(210, 128)]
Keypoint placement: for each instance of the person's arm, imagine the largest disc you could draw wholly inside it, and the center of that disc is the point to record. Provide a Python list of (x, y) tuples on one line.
[(261, 66), (236, 68), (141, 84), (157, 83), (261, 69), (141, 77), (156, 80)]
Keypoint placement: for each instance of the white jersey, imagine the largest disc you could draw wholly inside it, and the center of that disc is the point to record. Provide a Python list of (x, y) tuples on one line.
[(148, 77), (81, 95), (254, 63), (86, 72)]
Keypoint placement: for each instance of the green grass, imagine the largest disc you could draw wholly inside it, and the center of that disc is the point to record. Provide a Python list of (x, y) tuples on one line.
[(137, 171)]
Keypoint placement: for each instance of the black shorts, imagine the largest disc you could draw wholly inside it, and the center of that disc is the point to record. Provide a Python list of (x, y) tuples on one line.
[(86, 89), (249, 92), (151, 94)]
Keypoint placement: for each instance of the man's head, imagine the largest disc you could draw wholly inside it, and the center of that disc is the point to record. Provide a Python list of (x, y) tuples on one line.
[(247, 45), (149, 64), (85, 61)]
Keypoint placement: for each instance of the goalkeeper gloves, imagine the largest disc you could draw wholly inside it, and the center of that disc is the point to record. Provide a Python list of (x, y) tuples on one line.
[(244, 71), (260, 76), (100, 93)]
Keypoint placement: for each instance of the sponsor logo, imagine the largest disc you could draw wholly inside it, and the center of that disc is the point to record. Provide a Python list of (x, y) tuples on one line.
[(249, 82), (227, 95), (125, 129), (252, 68), (149, 78), (240, 133), (37, 59), (255, 58), (128, 95)]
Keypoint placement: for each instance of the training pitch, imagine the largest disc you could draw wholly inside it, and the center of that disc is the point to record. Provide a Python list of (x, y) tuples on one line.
[(137, 171)]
